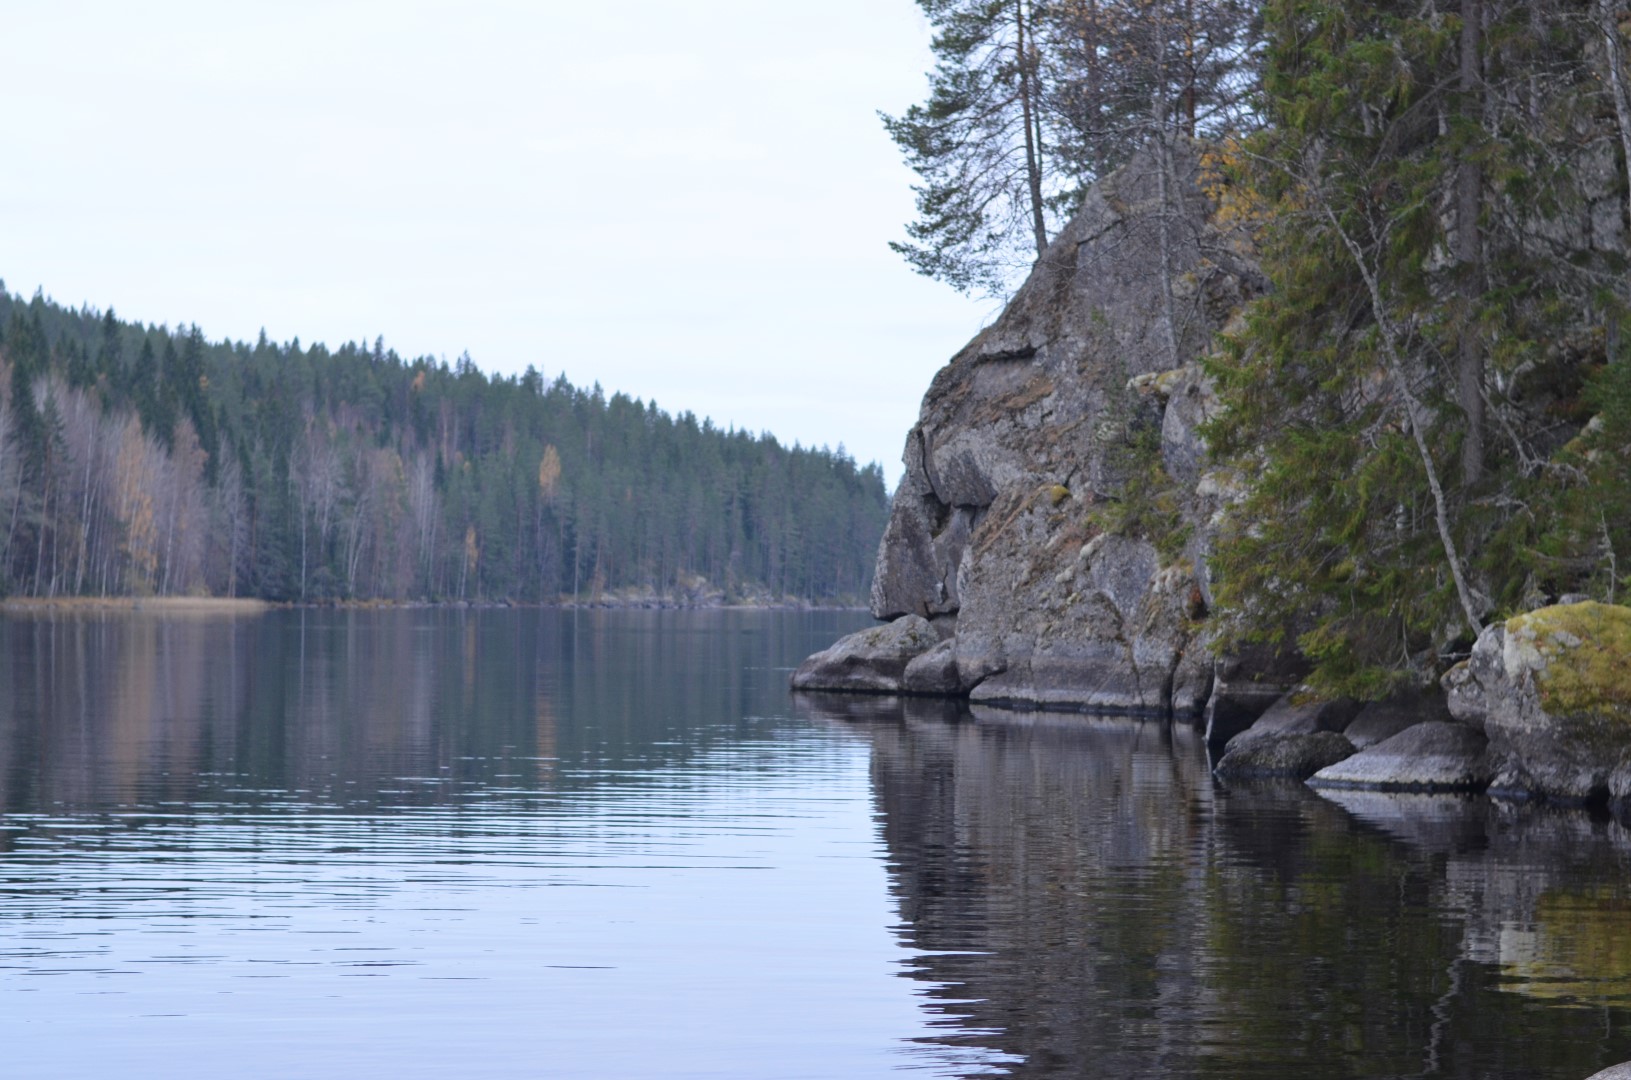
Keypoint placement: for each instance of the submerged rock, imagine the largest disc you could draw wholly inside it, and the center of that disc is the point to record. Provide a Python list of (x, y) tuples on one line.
[(871, 661), (1552, 691), (1433, 756)]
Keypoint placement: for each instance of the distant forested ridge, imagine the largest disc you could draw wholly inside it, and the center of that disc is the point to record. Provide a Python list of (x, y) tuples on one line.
[(147, 461)]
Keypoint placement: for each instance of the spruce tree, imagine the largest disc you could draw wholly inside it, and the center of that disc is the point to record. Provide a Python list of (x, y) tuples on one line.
[(1395, 400)]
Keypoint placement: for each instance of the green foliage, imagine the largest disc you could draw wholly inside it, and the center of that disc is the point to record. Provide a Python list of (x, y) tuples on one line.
[(1572, 528), (300, 473), (1148, 504), (1031, 100), (1342, 405), (975, 143)]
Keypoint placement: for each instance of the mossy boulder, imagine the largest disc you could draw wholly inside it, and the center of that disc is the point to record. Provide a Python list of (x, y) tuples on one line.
[(1579, 656), (1552, 690)]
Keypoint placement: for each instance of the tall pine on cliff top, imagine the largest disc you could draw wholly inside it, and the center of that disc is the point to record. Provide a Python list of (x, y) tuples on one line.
[(979, 145), (1032, 100), (1445, 235)]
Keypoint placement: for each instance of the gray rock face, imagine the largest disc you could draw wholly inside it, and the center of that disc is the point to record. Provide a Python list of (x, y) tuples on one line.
[(1034, 423), (935, 672), (1432, 756), (1478, 685), (1094, 625), (1613, 1072), (1382, 720), (1296, 756), (1551, 691), (1287, 717), (871, 661)]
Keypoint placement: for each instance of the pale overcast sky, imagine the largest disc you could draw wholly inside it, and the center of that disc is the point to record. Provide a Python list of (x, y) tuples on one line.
[(687, 202)]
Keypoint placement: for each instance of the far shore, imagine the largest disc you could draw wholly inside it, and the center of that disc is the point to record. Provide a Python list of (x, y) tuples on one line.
[(165, 605), (227, 605)]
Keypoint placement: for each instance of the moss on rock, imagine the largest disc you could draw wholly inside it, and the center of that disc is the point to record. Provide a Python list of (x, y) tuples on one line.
[(1579, 656)]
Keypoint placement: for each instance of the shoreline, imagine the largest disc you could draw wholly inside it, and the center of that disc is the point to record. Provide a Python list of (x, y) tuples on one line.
[(225, 605), (167, 605)]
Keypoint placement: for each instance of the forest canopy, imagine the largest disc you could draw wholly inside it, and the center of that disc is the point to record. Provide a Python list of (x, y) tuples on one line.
[(145, 461)]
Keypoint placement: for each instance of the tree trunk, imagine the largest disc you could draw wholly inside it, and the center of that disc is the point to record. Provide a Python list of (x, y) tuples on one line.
[(1468, 250), (1190, 74), (1095, 90), (1166, 187), (1614, 57), (1031, 115)]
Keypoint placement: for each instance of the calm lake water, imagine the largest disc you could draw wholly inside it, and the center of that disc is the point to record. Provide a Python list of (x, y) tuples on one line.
[(610, 844)]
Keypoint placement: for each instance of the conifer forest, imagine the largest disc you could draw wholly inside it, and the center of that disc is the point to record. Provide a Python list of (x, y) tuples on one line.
[(148, 461)]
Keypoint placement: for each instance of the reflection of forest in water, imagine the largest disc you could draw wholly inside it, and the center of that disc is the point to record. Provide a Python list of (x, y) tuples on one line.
[(1083, 897), (362, 708)]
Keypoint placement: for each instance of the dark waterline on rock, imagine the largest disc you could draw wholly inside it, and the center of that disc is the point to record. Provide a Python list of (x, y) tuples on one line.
[(542, 843)]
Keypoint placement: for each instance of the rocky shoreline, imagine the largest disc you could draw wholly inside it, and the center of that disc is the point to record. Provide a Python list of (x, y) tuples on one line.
[(1025, 566), (1541, 709)]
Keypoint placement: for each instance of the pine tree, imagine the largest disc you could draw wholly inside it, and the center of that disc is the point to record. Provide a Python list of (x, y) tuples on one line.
[(1030, 101), (978, 143)]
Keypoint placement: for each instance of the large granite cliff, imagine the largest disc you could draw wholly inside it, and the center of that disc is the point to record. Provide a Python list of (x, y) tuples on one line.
[(1047, 546), (997, 534)]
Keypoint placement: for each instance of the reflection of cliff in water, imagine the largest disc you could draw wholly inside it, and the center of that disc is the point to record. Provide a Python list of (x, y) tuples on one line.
[(1080, 897)]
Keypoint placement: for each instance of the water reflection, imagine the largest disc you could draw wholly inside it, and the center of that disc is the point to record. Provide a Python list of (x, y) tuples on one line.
[(438, 843), (121, 709), (433, 844), (1087, 902)]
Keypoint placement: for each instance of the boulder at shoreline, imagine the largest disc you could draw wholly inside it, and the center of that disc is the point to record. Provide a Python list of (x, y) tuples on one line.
[(870, 661), (1436, 755), (1297, 756), (1552, 690)]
